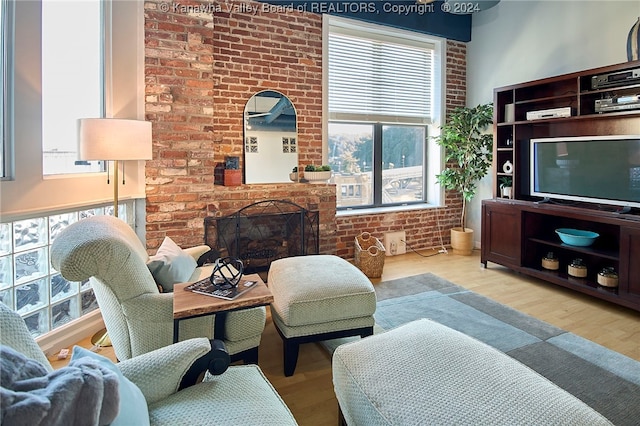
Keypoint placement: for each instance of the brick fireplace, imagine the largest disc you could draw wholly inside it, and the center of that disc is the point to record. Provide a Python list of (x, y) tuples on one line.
[(316, 197), (264, 232)]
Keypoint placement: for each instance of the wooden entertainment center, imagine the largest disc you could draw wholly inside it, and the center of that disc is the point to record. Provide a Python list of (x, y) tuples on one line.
[(518, 232)]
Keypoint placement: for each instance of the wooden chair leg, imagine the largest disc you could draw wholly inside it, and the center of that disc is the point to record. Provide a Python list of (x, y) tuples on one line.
[(290, 348), (250, 356), (367, 332)]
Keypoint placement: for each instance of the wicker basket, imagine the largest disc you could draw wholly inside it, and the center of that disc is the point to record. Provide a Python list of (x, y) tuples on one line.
[(369, 255)]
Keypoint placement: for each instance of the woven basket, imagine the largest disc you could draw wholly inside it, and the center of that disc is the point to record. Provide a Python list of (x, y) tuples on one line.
[(369, 255)]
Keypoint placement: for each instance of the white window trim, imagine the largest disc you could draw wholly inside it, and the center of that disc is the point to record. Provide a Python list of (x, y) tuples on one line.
[(6, 109), (71, 333), (27, 192), (435, 154)]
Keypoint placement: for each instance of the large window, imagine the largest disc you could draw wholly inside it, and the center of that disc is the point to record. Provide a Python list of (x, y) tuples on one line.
[(29, 284), (61, 54), (383, 92), (6, 38), (72, 80), (43, 92), (357, 149)]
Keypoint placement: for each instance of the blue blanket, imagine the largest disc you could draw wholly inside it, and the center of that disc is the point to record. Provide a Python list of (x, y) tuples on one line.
[(82, 393)]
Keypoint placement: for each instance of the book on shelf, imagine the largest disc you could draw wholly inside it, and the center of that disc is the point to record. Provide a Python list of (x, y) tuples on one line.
[(206, 287)]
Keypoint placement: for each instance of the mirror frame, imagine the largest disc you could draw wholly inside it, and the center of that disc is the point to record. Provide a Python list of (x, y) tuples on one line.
[(267, 157)]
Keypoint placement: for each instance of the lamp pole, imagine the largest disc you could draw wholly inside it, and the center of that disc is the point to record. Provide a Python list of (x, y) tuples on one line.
[(115, 188)]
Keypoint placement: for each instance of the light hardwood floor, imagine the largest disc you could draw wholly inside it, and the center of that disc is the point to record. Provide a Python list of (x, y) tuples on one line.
[(309, 392)]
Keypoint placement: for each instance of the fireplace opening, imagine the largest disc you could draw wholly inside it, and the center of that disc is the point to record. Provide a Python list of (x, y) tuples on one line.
[(263, 232)]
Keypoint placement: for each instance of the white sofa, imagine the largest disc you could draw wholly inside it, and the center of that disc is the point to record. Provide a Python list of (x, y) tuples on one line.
[(423, 373)]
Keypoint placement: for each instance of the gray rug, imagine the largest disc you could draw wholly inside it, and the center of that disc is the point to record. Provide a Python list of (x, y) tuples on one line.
[(606, 380)]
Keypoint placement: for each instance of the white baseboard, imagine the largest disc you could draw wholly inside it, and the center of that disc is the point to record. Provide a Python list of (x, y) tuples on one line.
[(71, 333)]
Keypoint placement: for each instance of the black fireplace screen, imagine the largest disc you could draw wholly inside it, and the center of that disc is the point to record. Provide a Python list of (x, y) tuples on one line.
[(263, 232)]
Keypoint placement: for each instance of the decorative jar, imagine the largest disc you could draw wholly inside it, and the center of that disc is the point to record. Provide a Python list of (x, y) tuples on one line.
[(551, 262), (608, 277), (507, 167), (577, 268)]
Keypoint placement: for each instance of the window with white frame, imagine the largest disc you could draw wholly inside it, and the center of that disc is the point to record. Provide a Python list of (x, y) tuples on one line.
[(6, 32), (34, 210), (72, 80), (29, 284), (383, 94), (27, 190)]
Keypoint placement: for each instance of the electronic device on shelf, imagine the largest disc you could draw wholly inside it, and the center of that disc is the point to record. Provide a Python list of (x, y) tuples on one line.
[(613, 79), (618, 103), (549, 113), (602, 169)]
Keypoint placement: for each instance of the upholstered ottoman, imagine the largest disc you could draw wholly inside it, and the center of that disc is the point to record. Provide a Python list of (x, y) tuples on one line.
[(317, 298), (428, 374)]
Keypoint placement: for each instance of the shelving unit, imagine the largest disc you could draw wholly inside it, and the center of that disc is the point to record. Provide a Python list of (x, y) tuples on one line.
[(518, 232), (512, 130)]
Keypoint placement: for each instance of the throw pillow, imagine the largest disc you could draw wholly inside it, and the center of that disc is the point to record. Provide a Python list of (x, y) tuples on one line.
[(171, 265), (133, 405)]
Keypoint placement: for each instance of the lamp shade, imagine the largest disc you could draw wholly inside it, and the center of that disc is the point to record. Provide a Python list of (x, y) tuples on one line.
[(114, 139)]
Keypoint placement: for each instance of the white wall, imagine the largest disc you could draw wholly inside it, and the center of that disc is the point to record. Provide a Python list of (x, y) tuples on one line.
[(518, 41)]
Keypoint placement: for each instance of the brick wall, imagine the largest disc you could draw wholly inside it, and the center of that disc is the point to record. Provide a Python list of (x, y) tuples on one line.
[(179, 103), (203, 63), (265, 50)]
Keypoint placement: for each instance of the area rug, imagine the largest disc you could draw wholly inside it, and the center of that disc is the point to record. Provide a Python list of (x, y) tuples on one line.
[(605, 380)]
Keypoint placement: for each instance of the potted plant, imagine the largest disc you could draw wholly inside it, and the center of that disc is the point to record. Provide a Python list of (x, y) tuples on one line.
[(317, 173), (505, 186), (294, 174), (468, 152)]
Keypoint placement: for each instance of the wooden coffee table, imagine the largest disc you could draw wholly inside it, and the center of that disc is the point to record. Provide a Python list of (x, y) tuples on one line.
[(187, 304)]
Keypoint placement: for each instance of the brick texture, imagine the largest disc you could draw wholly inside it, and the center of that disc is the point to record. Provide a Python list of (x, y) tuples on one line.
[(203, 61)]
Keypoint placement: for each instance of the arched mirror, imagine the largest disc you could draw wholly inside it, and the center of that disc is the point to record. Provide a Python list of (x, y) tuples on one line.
[(270, 138)]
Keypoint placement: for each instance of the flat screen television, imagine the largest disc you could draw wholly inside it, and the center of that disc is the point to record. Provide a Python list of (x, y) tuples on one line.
[(593, 169)]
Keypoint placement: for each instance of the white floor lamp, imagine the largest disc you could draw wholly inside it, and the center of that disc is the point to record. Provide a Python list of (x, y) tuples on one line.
[(113, 139)]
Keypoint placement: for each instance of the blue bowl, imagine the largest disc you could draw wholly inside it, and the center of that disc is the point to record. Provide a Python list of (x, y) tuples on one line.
[(576, 237)]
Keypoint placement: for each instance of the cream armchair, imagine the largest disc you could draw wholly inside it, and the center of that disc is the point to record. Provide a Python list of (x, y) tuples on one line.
[(148, 390), (138, 317)]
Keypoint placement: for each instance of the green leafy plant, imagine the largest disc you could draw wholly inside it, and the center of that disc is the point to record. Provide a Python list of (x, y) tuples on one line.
[(313, 168), (506, 181), (468, 151)]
